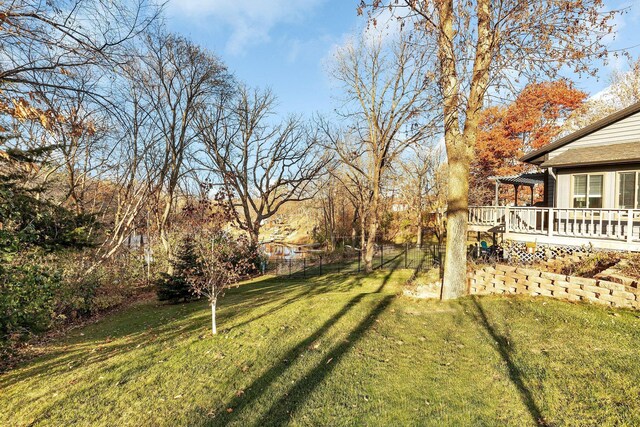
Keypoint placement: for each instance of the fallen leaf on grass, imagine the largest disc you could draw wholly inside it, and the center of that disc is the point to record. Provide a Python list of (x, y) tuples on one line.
[(229, 410)]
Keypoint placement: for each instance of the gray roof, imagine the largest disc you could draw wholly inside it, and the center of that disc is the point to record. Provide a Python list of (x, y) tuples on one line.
[(628, 152), (522, 179), (610, 119)]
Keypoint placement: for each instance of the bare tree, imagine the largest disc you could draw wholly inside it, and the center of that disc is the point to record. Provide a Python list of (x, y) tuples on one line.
[(261, 162), (488, 44), (623, 91), (44, 44), (387, 105), (420, 189), (178, 79), (336, 211)]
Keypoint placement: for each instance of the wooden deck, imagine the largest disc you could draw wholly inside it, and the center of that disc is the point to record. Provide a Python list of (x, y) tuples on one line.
[(603, 228)]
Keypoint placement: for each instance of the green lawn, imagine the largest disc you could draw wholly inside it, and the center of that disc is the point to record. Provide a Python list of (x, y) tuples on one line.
[(337, 350)]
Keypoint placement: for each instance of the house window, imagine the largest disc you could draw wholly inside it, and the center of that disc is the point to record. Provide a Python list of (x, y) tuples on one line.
[(628, 190), (587, 191)]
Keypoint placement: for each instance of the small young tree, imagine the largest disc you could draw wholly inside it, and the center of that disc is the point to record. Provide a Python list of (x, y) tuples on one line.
[(224, 261)]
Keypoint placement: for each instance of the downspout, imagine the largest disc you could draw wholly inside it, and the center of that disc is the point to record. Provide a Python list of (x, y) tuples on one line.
[(555, 193)]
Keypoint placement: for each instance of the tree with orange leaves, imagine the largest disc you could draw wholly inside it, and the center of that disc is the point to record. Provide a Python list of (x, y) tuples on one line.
[(506, 133)]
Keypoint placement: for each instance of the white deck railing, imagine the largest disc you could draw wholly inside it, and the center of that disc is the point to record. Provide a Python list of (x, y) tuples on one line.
[(486, 215), (614, 224)]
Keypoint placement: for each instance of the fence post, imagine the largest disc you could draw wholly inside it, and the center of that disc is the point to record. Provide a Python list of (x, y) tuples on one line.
[(441, 266), (359, 256), (304, 268), (406, 254), (321, 265)]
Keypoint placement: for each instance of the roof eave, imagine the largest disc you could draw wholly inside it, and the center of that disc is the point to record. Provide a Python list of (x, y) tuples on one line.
[(594, 163), (604, 122)]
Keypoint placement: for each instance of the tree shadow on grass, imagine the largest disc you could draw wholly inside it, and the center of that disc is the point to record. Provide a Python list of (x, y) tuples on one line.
[(133, 330), (162, 323), (515, 374), (295, 397), (304, 386), (316, 287), (93, 352)]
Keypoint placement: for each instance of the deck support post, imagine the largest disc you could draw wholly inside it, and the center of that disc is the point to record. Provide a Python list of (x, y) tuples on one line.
[(532, 198), (506, 219)]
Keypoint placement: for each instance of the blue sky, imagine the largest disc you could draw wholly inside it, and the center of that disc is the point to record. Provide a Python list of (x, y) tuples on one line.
[(284, 44)]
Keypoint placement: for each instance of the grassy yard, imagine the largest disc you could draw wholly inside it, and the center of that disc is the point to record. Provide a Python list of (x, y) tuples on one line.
[(337, 350)]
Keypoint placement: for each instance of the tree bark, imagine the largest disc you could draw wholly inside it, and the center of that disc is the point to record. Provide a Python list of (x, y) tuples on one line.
[(370, 247), (254, 236), (373, 229), (454, 281), (419, 236), (460, 144), (455, 267)]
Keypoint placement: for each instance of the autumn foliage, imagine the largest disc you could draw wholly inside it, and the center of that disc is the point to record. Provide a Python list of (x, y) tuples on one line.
[(506, 133)]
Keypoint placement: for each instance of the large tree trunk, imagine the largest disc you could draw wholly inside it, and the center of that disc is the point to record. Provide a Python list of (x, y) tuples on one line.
[(460, 147), (254, 234), (370, 247), (419, 236), (373, 229), (163, 226), (455, 267)]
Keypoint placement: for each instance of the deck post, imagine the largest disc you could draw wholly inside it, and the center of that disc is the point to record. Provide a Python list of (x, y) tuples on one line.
[(532, 198), (506, 219), (550, 223), (630, 225)]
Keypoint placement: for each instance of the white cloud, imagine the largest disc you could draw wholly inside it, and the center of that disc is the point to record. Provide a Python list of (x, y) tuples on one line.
[(250, 21)]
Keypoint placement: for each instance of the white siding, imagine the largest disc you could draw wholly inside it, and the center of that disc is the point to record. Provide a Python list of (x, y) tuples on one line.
[(625, 130), (563, 184)]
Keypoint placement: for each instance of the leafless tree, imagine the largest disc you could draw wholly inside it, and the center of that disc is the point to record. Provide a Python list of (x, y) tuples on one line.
[(623, 91), (387, 106), (262, 162), (46, 44), (177, 79), (419, 183)]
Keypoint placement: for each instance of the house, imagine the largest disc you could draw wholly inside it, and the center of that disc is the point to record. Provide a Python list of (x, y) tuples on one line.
[(591, 181)]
